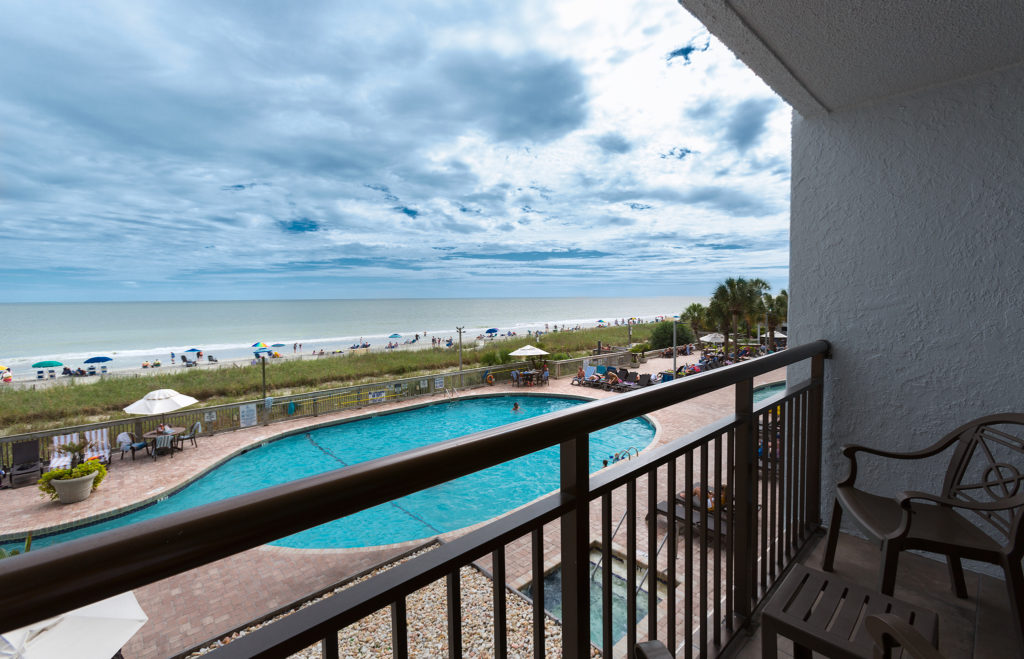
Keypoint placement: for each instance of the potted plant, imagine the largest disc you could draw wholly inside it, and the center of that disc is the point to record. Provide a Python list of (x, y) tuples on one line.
[(75, 484)]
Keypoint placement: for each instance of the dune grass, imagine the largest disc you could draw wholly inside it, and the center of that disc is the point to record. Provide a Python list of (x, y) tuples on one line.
[(26, 410)]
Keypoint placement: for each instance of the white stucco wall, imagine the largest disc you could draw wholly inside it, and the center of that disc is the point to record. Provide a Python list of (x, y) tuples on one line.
[(907, 253)]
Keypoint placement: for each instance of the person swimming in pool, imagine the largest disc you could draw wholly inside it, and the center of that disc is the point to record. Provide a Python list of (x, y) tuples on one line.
[(515, 407)]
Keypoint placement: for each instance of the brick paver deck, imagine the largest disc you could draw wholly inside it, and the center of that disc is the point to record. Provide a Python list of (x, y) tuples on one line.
[(207, 602)]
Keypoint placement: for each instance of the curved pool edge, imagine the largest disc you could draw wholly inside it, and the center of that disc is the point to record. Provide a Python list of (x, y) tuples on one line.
[(258, 442)]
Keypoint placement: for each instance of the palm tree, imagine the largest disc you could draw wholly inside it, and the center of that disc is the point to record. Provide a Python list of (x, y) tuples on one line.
[(738, 296), (696, 314), (776, 310)]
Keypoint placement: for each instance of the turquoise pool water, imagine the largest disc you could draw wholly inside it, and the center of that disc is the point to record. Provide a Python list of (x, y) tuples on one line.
[(768, 390), (447, 507)]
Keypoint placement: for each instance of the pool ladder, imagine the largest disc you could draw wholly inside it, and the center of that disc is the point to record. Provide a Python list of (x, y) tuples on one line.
[(650, 561), (451, 392)]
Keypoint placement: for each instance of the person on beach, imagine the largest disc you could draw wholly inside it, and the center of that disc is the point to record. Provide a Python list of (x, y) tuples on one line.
[(172, 357)]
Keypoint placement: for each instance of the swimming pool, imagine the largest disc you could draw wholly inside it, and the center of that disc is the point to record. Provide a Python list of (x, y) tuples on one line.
[(446, 507)]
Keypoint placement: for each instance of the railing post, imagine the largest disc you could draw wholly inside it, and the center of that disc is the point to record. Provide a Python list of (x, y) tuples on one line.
[(814, 421), (745, 540), (575, 483)]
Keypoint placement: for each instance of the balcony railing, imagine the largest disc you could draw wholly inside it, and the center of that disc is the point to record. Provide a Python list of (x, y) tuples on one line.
[(714, 562)]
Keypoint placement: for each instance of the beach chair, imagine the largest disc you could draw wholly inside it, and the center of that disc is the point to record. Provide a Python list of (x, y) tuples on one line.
[(587, 372), (644, 380), (129, 442), (99, 445), (192, 434), (59, 459), (601, 370), (26, 467)]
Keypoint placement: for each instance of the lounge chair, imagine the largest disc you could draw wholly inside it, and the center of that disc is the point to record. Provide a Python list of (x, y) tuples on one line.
[(99, 445), (58, 458), (211, 359), (587, 372), (129, 442), (515, 378), (644, 380), (26, 467), (629, 383), (191, 435)]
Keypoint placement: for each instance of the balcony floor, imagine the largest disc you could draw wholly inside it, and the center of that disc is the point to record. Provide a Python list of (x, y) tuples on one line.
[(979, 626)]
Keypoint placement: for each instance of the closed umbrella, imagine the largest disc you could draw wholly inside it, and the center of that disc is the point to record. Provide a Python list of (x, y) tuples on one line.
[(160, 401), (94, 631)]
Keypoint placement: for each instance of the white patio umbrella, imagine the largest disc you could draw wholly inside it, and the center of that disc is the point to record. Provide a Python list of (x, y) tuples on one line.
[(528, 351), (94, 631), (160, 402), (713, 338)]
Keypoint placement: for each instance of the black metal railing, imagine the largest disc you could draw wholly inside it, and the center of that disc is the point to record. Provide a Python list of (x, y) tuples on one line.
[(763, 465)]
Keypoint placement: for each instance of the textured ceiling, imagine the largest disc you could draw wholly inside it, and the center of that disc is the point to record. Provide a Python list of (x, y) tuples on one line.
[(846, 53)]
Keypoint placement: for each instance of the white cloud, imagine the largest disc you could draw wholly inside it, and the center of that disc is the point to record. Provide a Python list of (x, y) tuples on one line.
[(327, 144)]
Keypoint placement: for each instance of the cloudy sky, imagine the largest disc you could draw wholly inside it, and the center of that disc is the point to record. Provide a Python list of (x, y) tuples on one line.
[(229, 150)]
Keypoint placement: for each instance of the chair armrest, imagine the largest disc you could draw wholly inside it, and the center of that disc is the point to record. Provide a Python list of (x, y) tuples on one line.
[(907, 497), (850, 452), (886, 628)]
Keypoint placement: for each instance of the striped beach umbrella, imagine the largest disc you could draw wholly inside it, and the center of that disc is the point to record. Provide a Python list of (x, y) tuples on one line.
[(259, 344)]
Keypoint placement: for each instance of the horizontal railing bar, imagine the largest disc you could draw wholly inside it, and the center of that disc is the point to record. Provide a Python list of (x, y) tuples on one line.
[(302, 628), (55, 579)]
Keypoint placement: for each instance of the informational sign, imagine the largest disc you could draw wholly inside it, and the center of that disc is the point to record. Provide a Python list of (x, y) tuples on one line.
[(247, 415), (210, 417), (376, 396), (268, 402), (438, 383), (424, 384)]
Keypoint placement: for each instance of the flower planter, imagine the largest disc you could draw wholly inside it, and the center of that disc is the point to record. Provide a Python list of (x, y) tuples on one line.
[(74, 490)]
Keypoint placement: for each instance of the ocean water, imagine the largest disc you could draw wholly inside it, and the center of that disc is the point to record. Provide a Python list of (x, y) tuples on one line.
[(133, 332)]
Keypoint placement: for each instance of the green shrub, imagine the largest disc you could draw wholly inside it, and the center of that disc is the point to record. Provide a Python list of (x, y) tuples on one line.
[(14, 552), (661, 335)]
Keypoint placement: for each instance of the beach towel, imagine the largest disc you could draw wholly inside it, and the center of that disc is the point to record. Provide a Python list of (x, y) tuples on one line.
[(99, 445), (59, 459)]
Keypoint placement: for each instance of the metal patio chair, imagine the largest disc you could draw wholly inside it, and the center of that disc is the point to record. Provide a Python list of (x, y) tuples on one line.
[(977, 514)]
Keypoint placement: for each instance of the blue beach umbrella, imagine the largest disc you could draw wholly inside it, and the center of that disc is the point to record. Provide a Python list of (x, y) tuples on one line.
[(262, 351), (493, 330), (277, 345), (193, 350), (395, 336), (98, 360)]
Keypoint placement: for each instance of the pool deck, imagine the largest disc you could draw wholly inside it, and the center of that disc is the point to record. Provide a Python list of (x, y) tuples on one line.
[(207, 602)]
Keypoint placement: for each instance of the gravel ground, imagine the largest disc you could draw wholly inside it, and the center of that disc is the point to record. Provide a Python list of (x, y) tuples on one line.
[(428, 624)]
